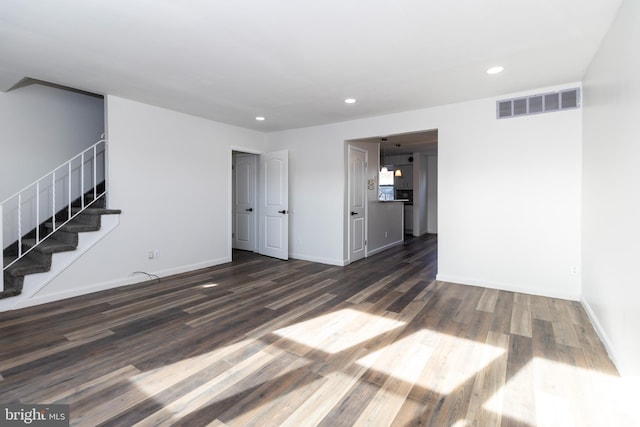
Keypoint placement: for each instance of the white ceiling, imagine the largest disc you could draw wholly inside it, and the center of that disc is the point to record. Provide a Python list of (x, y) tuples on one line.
[(294, 61)]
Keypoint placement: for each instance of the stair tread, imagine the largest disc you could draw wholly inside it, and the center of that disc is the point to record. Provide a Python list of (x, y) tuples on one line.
[(50, 246), (75, 227), (98, 211)]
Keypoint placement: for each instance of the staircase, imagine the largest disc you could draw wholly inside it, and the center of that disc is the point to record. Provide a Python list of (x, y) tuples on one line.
[(64, 239), (66, 213)]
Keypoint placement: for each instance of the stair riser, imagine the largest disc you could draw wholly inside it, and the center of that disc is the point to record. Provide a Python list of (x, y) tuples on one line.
[(40, 258), (12, 285), (97, 204), (67, 237), (87, 219)]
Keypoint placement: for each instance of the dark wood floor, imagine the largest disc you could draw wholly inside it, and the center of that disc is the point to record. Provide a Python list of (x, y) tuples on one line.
[(266, 342)]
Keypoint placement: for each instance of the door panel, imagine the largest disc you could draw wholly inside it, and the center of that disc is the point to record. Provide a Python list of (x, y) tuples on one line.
[(274, 204), (357, 203), (244, 202)]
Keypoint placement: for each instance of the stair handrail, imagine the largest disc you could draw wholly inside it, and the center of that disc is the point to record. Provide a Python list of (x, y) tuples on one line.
[(70, 215)]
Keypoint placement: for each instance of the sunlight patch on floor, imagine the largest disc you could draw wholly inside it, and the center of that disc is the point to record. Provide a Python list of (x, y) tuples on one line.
[(562, 394), (338, 331), (459, 358), (209, 285), (155, 380)]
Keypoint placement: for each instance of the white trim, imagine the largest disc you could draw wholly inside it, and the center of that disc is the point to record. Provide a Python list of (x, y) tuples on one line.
[(606, 341), (385, 247), (117, 283), (244, 150), (340, 263), (507, 287)]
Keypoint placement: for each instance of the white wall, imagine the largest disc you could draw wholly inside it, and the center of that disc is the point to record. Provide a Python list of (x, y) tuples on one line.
[(432, 194), (386, 226), (42, 127), (317, 193), (170, 173), (509, 193), (611, 198), (509, 200), (420, 194)]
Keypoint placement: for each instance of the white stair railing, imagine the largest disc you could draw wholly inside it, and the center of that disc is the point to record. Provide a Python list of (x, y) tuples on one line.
[(49, 197)]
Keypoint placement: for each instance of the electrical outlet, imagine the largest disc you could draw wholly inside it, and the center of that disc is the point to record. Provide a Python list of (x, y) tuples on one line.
[(574, 270), (151, 254)]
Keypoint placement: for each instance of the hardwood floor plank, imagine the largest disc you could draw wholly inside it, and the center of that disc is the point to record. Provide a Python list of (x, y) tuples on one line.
[(337, 383), (520, 384), (375, 287), (521, 315), (295, 296), (7, 364), (488, 385), (101, 328), (61, 393), (487, 301), (407, 362), (349, 408)]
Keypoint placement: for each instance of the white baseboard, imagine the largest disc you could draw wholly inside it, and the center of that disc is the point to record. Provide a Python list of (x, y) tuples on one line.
[(303, 257), (384, 248), (604, 337), (37, 300), (508, 287)]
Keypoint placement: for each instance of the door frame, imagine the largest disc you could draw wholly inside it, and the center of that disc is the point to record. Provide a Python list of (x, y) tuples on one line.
[(241, 150), (350, 145), (254, 202)]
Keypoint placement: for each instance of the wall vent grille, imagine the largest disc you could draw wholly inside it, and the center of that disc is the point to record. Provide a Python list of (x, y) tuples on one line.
[(539, 103)]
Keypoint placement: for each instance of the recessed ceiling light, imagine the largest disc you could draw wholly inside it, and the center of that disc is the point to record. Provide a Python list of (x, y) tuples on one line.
[(495, 70), (260, 119), (350, 101)]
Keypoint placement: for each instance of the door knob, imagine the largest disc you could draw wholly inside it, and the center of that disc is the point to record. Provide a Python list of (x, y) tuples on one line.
[(354, 213), (249, 210), (282, 211)]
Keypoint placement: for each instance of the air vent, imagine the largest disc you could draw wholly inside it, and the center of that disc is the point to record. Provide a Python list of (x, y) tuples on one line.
[(540, 103)]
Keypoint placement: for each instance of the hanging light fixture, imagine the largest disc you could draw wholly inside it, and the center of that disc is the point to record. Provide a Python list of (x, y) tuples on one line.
[(398, 171), (383, 169)]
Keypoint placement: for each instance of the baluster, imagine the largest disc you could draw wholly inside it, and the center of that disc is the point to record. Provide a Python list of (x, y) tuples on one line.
[(82, 180), (37, 212), (69, 195), (95, 164), (53, 199), (19, 225)]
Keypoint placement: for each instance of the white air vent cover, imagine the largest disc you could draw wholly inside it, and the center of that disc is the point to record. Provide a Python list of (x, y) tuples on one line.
[(540, 103)]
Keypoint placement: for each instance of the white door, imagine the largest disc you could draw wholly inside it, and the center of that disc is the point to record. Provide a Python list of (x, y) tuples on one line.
[(244, 201), (274, 204), (357, 203)]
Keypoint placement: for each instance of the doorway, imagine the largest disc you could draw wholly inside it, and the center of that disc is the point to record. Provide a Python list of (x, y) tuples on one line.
[(413, 160), (259, 203), (244, 202)]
